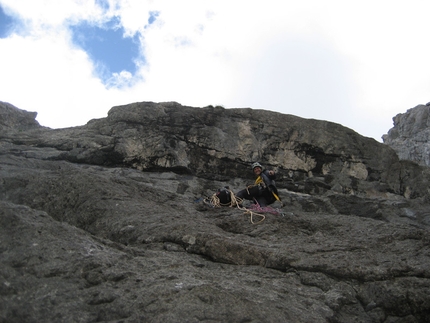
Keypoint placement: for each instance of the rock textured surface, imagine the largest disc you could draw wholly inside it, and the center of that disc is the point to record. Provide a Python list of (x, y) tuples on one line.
[(104, 222), (410, 136)]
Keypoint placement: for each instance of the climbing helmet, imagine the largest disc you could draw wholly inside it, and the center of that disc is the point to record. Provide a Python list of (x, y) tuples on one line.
[(256, 165)]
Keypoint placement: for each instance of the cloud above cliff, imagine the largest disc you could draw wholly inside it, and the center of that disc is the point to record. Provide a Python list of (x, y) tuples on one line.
[(357, 64)]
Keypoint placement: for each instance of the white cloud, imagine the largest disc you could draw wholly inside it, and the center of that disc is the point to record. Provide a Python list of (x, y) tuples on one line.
[(358, 63)]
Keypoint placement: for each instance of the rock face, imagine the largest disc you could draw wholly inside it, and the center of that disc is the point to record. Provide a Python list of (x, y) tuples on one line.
[(410, 136), (105, 223)]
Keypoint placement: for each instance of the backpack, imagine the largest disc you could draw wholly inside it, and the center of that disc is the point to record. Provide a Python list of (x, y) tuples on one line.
[(224, 195)]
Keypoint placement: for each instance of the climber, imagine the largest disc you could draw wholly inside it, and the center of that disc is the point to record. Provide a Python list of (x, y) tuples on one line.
[(263, 191)]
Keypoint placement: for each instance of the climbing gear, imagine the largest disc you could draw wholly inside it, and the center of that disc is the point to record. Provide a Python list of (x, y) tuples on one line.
[(256, 165), (259, 180), (254, 210), (261, 183), (251, 213), (266, 209), (215, 201), (277, 198), (224, 195)]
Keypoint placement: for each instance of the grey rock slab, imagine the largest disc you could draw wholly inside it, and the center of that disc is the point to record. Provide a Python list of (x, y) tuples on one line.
[(105, 222)]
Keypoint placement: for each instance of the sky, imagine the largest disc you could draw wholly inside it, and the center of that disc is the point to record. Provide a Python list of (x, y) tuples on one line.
[(357, 63)]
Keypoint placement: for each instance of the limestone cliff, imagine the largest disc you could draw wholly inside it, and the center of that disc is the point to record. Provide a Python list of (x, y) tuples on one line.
[(104, 222), (410, 136)]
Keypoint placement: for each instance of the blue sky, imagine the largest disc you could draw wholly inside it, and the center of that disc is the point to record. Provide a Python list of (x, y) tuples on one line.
[(108, 47), (7, 23), (358, 64)]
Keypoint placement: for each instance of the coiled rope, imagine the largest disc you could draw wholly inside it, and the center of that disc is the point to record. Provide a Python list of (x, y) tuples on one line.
[(235, 201)]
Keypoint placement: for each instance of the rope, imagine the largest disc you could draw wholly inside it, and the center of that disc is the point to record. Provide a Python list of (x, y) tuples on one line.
[(235, 201), (214, 200), (266, 209), (247, 211)]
